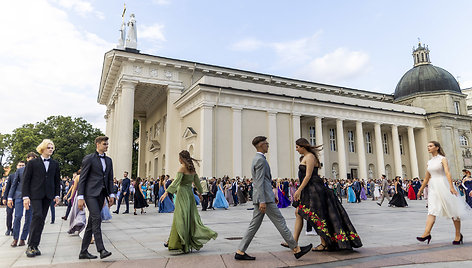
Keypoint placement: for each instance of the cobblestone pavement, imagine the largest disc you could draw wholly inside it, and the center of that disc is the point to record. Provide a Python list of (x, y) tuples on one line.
[(388, 235)]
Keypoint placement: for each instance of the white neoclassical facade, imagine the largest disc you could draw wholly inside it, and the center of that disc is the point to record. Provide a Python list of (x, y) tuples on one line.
[(214, 112)]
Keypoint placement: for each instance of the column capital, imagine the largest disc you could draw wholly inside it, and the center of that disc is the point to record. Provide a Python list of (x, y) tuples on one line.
[(272, 112), (237, 109), (207, 106), (296, 115), (128, 83), (175, 88), (339, 119)]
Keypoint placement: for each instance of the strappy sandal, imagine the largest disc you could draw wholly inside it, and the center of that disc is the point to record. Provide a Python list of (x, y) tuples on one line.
[(320, 247), (285, 245)]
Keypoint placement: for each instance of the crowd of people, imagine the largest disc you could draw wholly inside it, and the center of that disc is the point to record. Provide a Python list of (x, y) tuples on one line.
[(36, 187)]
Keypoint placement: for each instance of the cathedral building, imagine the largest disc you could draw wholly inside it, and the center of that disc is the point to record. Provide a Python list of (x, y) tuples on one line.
[(214, 112)]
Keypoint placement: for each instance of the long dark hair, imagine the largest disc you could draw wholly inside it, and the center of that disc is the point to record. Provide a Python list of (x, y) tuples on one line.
[(440, 150), (302, 142), (188, 160), (162, 180)]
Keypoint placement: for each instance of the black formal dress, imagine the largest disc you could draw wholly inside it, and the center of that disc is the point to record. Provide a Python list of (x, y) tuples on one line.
[(139, 201), (41, 186), (398, 199), (95, 184), (322, 210)]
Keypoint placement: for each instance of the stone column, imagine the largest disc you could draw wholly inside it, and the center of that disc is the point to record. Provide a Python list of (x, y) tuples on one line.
[(206, 141), (397, 157), (142, 147), (273, 152), (237, 142), (361, 151), (341, 149), (319, 141), (123, 147), (379, 150), (115, 129), (109, 130), (173, 131), (295, 136), (412, 148)]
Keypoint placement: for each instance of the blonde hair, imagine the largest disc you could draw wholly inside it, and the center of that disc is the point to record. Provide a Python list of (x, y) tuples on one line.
[(44, 145)]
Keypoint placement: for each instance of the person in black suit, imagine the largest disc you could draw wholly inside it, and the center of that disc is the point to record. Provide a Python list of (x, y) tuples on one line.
[(95, 184), (40, 184), (212, 193), (9, 230), (124, 193), (234, 191)]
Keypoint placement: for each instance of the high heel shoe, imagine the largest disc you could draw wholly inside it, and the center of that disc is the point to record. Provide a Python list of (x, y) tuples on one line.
[(422, 239), (458, 242)]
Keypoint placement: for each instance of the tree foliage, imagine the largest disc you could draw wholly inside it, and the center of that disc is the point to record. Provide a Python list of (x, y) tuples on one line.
[(72, 137)]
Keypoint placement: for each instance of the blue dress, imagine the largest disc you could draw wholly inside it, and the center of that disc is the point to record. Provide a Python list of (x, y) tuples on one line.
[(283, 200), (167, 205), (468, 199), (220, 200), (352, 195)]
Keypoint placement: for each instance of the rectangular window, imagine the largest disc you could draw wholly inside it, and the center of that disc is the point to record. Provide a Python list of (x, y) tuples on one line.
[(332, 139), (368, 142), (385, 143), (312, 136), (400, 138), (457, 109), (350, 136)]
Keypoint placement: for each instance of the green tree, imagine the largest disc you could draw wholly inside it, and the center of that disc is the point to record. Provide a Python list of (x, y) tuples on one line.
[(3, 150), (72, 137)]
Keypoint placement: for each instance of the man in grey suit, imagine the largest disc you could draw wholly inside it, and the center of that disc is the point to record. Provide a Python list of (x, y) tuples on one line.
[(384, 185), (264, 203)]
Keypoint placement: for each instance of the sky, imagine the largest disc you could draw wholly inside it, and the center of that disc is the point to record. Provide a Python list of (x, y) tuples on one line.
[(51, 51)]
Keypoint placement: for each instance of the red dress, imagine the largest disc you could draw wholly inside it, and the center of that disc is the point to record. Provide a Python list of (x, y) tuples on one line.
[(411, 193)]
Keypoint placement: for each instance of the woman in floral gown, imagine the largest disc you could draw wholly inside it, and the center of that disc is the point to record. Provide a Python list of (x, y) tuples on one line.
[(320, 207), (188, 231)]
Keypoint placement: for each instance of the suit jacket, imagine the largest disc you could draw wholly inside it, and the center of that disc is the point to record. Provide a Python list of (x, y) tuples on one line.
[(385, 186), (93, 178), (7, 187), (214, 189), (37, 183), (16, 186), (356, 186), (260, 170), (125, 185)]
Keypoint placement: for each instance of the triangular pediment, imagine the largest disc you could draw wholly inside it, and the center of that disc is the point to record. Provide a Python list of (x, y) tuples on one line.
[(189, 133)]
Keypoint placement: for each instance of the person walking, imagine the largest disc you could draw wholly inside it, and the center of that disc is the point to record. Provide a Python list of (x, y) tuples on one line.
[(41, 184), (125, 183), (443, 199), (139, 199), (187, 231), (264, 203), (95, 184), (384, 194), (205, 188)]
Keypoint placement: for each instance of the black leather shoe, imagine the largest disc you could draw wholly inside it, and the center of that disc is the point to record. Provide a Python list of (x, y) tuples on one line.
[(8, 232), (104, 253), (36, 251), (303, 250), (126, 212), (30, 252), (86, 255), (116, 211), (244, 257)]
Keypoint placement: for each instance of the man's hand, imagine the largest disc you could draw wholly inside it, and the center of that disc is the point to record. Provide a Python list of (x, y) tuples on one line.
[(81, 204), (111, 201), (262, 207), (10, 203), (26, 203), (124, 193), (4, 202), (57, 201)]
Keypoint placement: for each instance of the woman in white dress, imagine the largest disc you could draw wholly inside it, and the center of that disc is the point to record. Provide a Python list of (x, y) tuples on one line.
[(443, 199), (376, 191)]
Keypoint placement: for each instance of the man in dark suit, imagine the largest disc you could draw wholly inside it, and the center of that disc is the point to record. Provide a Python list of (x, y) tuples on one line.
[(234, 191), (41, 183), (9, 209), (212, 193), (357, 190), (15, 199), (124, 194), (95, 184)]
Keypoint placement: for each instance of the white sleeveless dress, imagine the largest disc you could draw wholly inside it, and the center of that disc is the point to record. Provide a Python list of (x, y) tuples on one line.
[(441, 202)]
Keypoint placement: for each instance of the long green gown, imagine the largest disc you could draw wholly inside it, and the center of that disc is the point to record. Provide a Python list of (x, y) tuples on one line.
[(188, 231)]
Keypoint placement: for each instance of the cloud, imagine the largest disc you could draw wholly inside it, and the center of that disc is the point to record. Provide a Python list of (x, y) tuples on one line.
[(152, 32), (49, 68), (81, 7), (248, 44), (161, 2), (336, 66)]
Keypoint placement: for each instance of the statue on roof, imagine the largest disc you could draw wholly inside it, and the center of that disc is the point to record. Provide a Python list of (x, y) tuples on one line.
[(132, 40)]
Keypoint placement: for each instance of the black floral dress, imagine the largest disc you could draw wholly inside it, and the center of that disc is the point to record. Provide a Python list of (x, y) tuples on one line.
[(323, 211)]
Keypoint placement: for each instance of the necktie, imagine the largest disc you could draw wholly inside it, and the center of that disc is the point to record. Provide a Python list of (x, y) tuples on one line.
[(47, 160)]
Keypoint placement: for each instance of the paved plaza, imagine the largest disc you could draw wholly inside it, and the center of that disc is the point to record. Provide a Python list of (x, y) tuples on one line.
[(388, 235)]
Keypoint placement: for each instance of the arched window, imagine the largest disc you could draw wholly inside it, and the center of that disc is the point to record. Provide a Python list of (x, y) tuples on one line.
[(463, 140)]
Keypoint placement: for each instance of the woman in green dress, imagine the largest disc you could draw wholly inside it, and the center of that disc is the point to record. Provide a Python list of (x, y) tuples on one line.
[(188, 231)]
